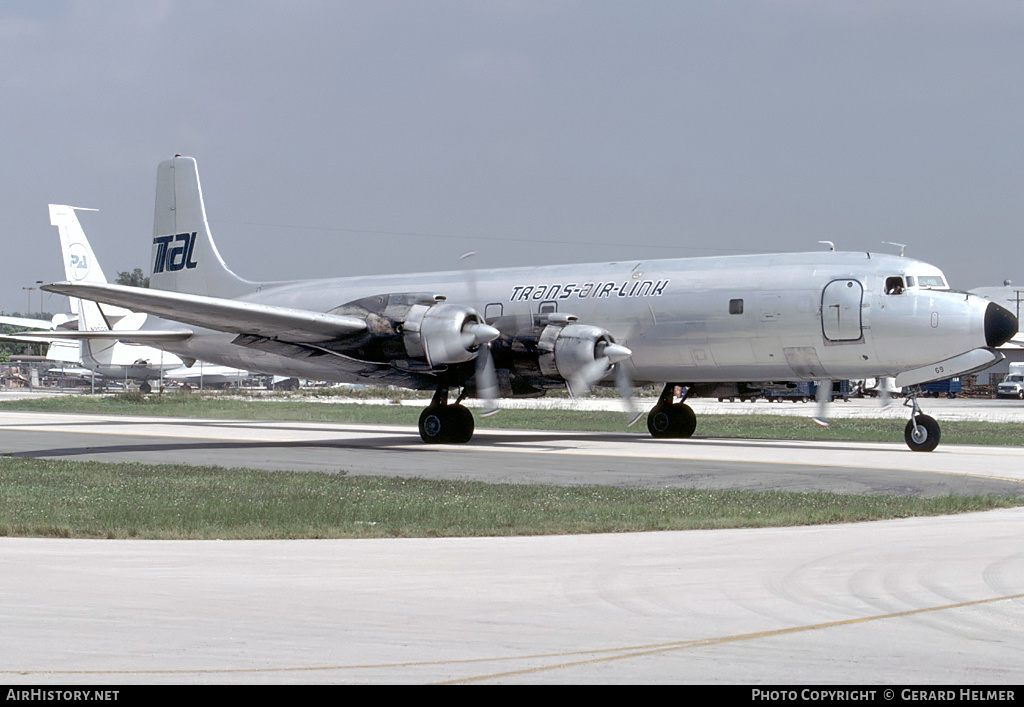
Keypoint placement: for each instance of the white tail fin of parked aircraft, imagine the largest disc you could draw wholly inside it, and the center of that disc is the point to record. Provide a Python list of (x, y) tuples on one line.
[(107, 335)]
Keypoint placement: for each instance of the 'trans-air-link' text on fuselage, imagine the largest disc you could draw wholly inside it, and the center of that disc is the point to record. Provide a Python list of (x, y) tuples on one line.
[(634, 288)]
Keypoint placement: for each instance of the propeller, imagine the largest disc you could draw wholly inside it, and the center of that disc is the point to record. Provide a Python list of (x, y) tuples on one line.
[(824, 397), (605, 355), (625, 386), (478, 334), (442, 347), (622, 378), (608, 355), (486, 376), (884, 392), (486, 381)]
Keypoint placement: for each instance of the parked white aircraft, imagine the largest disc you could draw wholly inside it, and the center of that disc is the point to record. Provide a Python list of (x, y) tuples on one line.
[(713, 326)]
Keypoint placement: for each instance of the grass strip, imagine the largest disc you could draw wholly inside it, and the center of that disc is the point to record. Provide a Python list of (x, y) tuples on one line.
[(55, 498)]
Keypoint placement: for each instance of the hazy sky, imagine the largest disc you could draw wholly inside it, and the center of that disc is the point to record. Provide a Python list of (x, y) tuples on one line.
[(337, 138)]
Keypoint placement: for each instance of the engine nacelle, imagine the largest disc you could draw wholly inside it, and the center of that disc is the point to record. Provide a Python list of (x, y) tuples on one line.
[(445, 333), (566, 352)]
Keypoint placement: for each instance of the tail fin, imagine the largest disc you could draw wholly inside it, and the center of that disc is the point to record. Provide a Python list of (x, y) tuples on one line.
[(80, 264), (184, 257)]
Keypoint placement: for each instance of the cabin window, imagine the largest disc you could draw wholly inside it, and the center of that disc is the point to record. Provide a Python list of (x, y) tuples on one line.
[(894, 285), (493, 311), (549, 307), (735, 306)]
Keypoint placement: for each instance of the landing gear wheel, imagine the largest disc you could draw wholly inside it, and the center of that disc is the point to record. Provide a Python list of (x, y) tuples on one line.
[(674, 421), (446, 424), (922, 436), (432, 425), (462, 424)]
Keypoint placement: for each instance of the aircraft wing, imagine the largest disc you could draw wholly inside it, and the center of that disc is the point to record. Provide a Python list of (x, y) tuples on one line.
[(21, 336), (228, 315), (23, 322)]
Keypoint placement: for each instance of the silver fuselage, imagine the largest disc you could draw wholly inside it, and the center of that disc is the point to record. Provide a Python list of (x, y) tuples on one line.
[(782, 317)]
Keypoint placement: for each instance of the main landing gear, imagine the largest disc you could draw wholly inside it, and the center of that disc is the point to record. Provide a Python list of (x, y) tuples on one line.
[(441, 423), (669, 419), (922, 433)]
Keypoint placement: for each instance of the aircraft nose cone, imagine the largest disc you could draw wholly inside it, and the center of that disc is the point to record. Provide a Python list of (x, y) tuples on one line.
[(1000, 325)]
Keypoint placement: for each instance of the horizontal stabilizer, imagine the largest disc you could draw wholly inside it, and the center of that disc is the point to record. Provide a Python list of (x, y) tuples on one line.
[(229, 315), (109, 334)]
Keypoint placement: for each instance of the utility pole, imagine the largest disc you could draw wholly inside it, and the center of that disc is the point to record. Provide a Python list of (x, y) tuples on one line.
[(29, 310)]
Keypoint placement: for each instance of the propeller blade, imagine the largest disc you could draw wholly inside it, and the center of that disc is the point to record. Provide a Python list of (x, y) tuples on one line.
[(470, 271), (625, 385), (486, 381), (884, 392), (824, 396), (587, 376)]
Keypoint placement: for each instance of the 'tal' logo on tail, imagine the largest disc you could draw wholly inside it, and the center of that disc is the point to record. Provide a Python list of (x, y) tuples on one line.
[(174, 257)]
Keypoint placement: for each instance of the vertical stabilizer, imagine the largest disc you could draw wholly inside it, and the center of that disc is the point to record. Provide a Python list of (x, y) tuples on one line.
[(184, 257), (80, 264)]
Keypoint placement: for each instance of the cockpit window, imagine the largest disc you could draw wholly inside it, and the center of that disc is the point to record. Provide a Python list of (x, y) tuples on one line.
[(910, 280), (931, 281), (894, 285)]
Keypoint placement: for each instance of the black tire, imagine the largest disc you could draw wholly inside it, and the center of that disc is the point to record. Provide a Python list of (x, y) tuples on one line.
[(686, 420), (924, 436), (446, 425), (462, 424), (676, 421)]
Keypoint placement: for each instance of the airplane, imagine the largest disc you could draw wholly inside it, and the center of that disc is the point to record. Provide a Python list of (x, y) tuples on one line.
[(711, 326), (110, 351)]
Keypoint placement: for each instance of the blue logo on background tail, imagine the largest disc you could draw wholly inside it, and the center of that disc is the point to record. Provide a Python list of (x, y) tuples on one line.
[(78, 262), (174, 257)]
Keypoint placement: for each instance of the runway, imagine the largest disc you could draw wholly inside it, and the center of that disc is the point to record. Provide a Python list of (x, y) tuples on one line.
[(913, 601)]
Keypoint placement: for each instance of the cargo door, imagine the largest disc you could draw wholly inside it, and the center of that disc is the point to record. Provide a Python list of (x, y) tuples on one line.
[(841, 310)]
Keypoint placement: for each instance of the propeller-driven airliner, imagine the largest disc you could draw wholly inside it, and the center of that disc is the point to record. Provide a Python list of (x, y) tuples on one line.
[(709, 326)]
